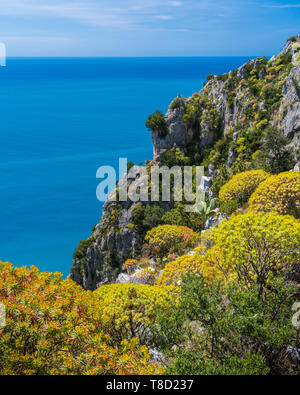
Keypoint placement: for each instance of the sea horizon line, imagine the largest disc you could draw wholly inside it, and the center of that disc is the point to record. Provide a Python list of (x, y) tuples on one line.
[(137, 57)]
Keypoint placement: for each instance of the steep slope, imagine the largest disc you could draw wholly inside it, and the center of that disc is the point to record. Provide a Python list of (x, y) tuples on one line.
[(258, 94), (222, 127)]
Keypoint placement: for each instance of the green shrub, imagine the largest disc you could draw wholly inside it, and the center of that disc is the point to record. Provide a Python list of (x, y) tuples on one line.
[(232, 332), (223, 77), (229, 206), (272, 94), (192, 112), (81, 250), (146, 217), (279, 157), (220, 180), (209, 77), (156, 122), (130, 165), (178, 216), (170, 239), (174, 157), (286, 59), (175, 103)]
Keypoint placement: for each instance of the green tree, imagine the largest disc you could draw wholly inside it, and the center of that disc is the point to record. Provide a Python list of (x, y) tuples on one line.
[(178, 216), (196, 221), (146, 217), (156, 122), (232, 331), (279, 157), (175, 157)]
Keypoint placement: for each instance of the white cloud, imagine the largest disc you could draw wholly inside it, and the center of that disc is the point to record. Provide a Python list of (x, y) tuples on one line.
[(175, 3), (114, 15), (42, 39), (164, 17), (99, 14), (88, 13), (283, 5)]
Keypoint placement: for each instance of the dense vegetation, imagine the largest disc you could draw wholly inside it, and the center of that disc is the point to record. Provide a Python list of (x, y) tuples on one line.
[(53, 326), (254, 141), (224, 308), (157, 122), (239, 189), (231, 331), (212, 295), (280, 193), (167, 239)]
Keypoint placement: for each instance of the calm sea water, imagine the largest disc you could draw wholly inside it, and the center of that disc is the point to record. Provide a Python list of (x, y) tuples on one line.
[(60, 120)]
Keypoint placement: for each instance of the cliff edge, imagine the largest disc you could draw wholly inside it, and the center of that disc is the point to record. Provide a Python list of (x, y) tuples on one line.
[(223, 128)]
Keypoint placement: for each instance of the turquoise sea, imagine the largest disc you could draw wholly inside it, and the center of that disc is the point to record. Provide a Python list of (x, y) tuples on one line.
[(60, 120)]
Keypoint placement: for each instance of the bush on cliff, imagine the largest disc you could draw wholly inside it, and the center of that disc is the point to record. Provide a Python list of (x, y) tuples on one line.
[(156, 122), (168, 239), (176, 103), (232, 331), (55, 327), (128, 309), (279, 193), (278, 156), (252, 247), (247, 248), (130, 265), (239, 189), (175, 271), (146, 217), (80, 252), (179, 217), (175, 157)]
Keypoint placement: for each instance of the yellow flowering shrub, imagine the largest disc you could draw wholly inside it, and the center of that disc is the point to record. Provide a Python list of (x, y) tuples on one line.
[(241, 186), (147, 276), (280, 193), (206, 238), (129, 309), (250, 247), (174, 271), (130, 265), (212, 268), (53, 326), (167, 239), (202, 263), (200, 250), (247, 248)]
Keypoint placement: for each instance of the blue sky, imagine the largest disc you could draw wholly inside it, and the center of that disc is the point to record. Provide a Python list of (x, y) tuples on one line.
[(147, 27)]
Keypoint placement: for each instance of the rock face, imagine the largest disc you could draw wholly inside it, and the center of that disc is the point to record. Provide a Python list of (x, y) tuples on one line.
[(289, 119), (294, 354), (257, 94), (178, 131), (112, 242), (227, 100)]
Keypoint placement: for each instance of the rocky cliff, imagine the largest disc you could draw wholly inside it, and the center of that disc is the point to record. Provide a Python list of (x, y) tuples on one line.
[(98, 260), (222, 128), (260, 92)]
